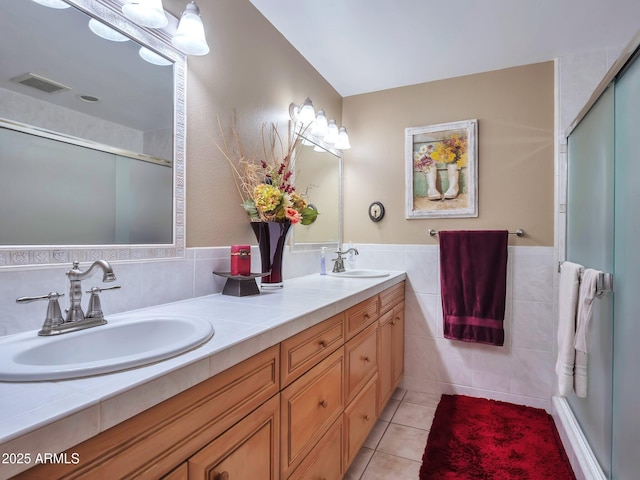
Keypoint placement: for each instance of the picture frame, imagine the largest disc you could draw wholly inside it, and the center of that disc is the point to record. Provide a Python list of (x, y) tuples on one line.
[(441, 170)]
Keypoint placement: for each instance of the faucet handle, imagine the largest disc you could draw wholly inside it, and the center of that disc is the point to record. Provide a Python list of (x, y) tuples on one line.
[(95, 308), (53, 318)]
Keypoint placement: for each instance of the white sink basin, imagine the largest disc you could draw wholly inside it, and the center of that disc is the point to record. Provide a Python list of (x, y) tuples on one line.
[(120, 344), (360, 273)]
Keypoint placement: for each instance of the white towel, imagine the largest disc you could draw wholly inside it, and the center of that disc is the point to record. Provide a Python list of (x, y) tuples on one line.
[(585, 302), (567, 305)]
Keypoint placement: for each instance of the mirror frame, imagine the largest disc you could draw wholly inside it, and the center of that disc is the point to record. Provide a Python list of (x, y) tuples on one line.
[(109, 12), (296, 247)]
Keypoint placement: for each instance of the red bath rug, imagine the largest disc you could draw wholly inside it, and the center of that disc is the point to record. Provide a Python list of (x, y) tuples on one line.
[(476, 438)]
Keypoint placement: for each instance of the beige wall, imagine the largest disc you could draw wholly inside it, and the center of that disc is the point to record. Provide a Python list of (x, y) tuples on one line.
[(514, 108), (255, 72)]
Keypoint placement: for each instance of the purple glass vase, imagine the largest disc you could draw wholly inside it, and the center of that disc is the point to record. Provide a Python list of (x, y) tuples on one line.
[(271, 237)]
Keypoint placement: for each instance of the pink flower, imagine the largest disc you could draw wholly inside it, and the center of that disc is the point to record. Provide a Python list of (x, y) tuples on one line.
[(292, 215)]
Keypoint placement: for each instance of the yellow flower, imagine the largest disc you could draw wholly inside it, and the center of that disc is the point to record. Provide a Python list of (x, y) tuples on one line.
[(267, 197), (297, 201)]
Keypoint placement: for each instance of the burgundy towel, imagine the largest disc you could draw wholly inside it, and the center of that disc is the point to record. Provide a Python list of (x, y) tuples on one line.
[(473, 283)]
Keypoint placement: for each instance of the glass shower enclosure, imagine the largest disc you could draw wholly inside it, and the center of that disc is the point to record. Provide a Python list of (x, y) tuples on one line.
[(603, 232)]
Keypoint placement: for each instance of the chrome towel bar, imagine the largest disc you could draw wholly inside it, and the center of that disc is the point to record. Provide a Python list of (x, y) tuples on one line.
[(519, 232)]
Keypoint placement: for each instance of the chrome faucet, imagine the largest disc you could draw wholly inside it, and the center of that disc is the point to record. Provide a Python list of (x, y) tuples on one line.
[(54, 323), (75, 275), (338, 263)]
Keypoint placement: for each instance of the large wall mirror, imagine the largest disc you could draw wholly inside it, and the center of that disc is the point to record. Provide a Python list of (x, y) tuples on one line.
[(318, 176), (92, 136)]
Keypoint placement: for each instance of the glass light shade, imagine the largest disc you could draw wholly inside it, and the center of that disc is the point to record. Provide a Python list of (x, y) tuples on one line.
[(53, 3), (318, 148), (342, 143), (152, 57), (147, 13), (307, 113), (106, 32), (321, 126), (189, 37), (332, 132)]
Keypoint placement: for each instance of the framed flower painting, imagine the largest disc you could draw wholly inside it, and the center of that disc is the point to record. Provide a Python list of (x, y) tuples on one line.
[(441, 170)]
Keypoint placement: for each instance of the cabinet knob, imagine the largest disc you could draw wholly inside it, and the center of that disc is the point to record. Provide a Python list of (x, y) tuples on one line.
[(221, 476), (367, 316), (365, 417), (322, 343), (393, 322), (323, 404), (366, 359)]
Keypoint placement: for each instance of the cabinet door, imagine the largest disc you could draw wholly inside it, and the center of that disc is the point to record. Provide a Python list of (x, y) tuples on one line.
[(325, 462), (180, 473), (248, 450), (398, 343), (359, 419), (361, 360), (310, 405), (385, 362)]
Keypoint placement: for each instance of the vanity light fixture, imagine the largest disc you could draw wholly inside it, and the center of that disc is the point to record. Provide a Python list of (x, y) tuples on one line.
[(342, 143), (53, 3), (147, 13), (106, 32), (321, 125), (153, 57), (189, 37), (306, 119), (332, 132)]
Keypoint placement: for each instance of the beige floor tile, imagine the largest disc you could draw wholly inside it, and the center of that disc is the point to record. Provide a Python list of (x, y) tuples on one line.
[(426, 399), (376, 434), (385, 467), (403, 441), (359, 464), (413, 415), (389, 410)]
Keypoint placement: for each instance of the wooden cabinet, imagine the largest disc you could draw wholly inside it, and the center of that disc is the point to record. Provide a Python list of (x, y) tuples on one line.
[(248, 450), (359, 418), (302, 351), (310, 405), (390, 343), (361, 360), (326, 461), (299, 410), (180, 473), (154, 442), (360, 315)]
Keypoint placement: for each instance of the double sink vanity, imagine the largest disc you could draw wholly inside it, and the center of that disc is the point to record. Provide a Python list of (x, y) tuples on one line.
[(282, 385)]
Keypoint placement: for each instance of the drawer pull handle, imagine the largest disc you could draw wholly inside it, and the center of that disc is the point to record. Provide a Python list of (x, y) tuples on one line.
[(322, 343), (366, 359), (392, 322), (366, 315), (323, 404), (221, 476), (365, 417)]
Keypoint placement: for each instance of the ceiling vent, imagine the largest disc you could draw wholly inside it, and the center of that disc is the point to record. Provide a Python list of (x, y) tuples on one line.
[(40, 83)]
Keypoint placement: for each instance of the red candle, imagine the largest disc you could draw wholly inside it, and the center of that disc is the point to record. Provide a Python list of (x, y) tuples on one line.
[(240, 260)]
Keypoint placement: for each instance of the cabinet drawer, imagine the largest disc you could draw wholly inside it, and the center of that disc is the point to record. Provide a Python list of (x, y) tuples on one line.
[(309, 407), (247, 450), (361, 315), (359, 419), (326, 460), (391, 296), (361, 360), (302, 351)]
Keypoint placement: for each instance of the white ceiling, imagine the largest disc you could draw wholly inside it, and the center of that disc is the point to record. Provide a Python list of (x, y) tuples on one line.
[(360, 46)]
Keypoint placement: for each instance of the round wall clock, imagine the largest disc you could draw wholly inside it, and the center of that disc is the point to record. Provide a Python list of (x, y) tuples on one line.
[(376, 211)]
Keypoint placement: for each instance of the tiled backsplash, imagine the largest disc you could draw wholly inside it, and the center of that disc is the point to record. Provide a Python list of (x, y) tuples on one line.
[(521, 371)]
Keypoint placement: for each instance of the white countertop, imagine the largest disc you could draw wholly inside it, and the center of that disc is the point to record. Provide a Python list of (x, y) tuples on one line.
[(49, 417)]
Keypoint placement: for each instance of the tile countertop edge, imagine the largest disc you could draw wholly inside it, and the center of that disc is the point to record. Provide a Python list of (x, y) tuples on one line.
[(57, 431)]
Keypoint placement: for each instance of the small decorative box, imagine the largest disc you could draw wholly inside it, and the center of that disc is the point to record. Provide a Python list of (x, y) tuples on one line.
[(240, 259)]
